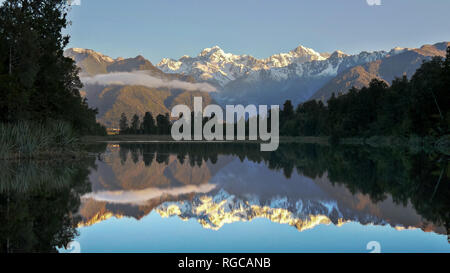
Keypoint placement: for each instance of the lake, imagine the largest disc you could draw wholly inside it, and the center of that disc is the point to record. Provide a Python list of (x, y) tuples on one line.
[(223, 197)]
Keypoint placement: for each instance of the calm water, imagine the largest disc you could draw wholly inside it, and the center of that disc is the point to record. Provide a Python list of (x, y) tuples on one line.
[(228, 198)]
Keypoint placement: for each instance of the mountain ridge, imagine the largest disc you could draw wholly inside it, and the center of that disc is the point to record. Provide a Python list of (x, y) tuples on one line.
[(406, 62)]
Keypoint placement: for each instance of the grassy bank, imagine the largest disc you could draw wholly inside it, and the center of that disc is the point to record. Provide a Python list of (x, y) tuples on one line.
[(30, 140)]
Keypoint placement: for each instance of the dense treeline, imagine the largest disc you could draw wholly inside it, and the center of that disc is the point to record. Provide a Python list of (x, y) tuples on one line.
[(419, 106), (162, 125), (37, 83), (148, 126)]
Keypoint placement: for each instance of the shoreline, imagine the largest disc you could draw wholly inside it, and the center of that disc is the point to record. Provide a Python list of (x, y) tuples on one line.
[(415, 144), (441, 144), (48, 156)]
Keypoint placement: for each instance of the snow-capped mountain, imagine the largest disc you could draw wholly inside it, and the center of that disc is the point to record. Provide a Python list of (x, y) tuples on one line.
[(80, 53), (295, 75), (213, 64), (214, 211)]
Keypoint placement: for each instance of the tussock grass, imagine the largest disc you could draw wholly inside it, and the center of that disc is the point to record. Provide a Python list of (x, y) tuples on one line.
[(27, 139), (443, 144), (29, 175)]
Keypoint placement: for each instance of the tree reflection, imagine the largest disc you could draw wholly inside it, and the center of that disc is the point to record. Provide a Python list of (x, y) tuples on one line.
[(39, 202)]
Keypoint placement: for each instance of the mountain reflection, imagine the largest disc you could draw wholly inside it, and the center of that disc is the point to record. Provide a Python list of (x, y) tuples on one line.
[(299, 185)]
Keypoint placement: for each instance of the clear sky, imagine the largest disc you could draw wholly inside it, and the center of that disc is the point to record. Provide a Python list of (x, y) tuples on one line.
[(162, 28)]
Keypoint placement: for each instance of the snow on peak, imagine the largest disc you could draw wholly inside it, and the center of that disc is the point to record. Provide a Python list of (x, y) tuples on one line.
[(305, 51), (298, 55), (210, 51), (215, 64), (89, 52), (338, 54), (218, 67), (398, 50)]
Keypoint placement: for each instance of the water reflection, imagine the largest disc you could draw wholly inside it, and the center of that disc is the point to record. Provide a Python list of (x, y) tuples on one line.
[(44, 205), (299, 185), (38, 204)]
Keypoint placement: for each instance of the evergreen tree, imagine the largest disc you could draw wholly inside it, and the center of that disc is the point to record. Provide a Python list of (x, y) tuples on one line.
[(286, 118), (123, 124), (148, 124), (164, 124), (135, 124)]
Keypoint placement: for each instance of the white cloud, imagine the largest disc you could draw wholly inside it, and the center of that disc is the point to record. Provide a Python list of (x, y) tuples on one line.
[(374, 2), (138, 197), (143, 79)]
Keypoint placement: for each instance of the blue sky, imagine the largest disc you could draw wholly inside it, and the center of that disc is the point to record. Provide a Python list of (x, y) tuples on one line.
[(161, 28)]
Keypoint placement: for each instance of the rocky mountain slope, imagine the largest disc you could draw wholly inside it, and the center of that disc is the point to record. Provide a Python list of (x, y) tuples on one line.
[(94, 63), (113, 100), (132, 86)]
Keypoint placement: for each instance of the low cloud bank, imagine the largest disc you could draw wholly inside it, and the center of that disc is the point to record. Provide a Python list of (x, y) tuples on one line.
[(139, 197), (143, 79)]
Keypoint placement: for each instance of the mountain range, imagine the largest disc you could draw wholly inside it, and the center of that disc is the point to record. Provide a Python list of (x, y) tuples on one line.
[(135, 85)]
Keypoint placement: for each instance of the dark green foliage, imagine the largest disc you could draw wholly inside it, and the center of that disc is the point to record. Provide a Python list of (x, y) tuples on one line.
[(163, 125), (148, 124), (36, 81), (123, 123), (135, 125), (311, 118)]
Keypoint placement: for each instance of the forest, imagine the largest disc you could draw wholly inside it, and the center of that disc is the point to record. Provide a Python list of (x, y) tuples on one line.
[(38, 84)]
